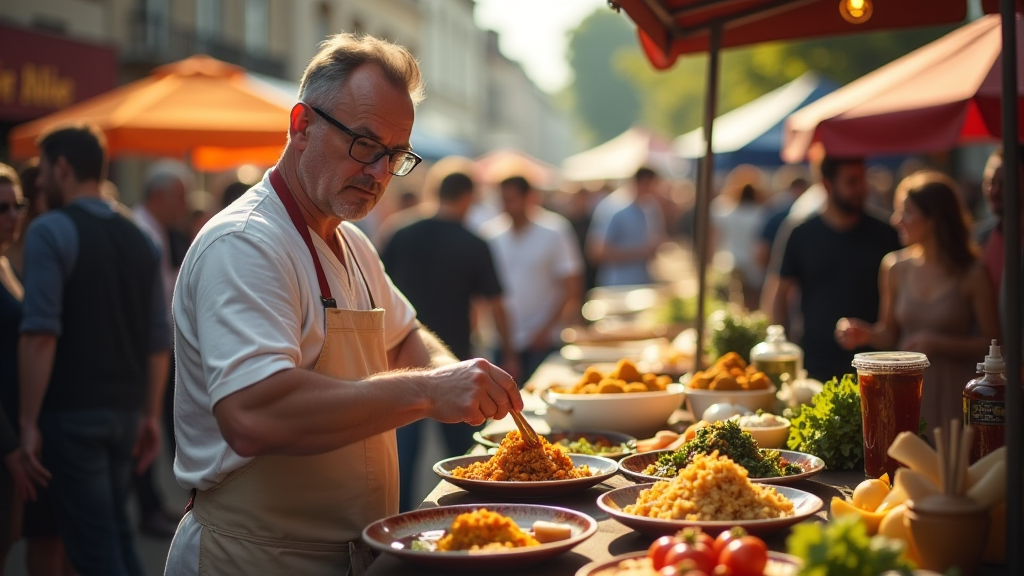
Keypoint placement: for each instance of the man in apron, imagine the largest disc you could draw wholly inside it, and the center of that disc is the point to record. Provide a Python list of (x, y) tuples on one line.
[(297, 358)]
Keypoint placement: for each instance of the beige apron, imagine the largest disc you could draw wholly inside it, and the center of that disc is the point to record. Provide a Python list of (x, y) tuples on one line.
[(304, 515)]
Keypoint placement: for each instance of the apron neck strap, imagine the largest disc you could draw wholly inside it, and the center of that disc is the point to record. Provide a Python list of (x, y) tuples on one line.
[(285, 194)]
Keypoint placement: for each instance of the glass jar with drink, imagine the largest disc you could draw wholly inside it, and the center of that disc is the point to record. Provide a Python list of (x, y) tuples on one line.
[(890, 402), (780, 360)]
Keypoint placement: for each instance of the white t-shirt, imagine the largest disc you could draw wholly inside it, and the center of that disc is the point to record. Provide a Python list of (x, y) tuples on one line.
[(532, 265), (247, 305)]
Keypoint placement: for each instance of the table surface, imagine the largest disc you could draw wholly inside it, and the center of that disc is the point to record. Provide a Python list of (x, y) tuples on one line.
[(611, 538)]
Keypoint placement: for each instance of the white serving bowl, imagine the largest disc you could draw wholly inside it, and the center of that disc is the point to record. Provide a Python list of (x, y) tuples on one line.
[(753, 400), (770, 436), (638, 414)]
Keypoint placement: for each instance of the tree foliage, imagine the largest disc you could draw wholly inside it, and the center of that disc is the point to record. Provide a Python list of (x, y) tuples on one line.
[(615, 85), (603, 100)]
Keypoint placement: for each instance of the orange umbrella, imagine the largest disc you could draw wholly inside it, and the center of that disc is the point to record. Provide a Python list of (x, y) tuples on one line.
[(931, 100), (199, 107)]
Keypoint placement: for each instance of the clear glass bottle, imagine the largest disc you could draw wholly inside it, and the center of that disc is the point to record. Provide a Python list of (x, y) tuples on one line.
[(781, 360), (985, 404)]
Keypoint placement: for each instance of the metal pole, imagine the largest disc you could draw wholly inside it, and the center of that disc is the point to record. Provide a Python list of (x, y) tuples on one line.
[(704, 188), (1011, 296)]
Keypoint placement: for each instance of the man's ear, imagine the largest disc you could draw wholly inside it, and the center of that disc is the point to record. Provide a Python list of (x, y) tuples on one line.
[(62, 169), (298, 125)]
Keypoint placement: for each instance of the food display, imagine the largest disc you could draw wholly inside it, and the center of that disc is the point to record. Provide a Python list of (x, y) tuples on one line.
[(733, 552), (711, 488), (517, 461), (729, 373), (727, 438), (624, 378), (733, 331), (881, 508), (484, 530), (830, 427), (599, 447)]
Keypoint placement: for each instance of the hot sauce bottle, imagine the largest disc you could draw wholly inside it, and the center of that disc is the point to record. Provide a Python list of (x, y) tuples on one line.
[(985, 404)]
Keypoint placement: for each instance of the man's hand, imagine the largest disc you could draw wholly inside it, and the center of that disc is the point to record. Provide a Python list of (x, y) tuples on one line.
[(147, 444), (852, 333), (30, 451), (471, 391), (23, 486)]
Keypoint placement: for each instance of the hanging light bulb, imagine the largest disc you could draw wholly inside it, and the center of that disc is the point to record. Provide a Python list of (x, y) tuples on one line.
[(856, 11)]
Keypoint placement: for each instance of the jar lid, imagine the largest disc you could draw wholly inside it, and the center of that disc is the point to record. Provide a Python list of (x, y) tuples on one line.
[(890, 362)]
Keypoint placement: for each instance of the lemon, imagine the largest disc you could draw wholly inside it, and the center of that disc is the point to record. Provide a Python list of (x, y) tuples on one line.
[(869, 494)]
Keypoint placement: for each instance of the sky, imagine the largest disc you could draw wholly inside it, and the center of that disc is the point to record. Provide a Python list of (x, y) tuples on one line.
[(535, 33)]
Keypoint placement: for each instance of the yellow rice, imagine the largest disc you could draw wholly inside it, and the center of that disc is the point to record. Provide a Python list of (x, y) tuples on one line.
[(483, 529), (516, 462)]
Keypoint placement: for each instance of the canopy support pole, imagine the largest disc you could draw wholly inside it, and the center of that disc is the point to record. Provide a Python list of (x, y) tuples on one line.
[(707, 178), (1011, 295)]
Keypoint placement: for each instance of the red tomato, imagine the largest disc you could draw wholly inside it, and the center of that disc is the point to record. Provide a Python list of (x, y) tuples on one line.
[(702, 557), (746, 556), (658, 549), (724, 538)]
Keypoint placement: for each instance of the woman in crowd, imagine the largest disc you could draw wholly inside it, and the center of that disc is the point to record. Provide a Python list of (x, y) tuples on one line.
[(936, 296)]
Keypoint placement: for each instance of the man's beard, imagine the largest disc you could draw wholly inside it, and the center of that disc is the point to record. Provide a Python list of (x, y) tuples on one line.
[(354, 209), (847, 207)]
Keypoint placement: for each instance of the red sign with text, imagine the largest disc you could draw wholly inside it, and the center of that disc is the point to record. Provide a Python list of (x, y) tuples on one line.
[(41, 72)]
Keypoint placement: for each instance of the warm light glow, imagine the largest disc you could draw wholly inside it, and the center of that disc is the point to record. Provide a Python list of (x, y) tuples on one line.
[(856, 11)]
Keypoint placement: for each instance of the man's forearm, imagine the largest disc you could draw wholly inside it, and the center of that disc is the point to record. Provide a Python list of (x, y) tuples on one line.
[(420, 349), (36, 351), (158, 365)]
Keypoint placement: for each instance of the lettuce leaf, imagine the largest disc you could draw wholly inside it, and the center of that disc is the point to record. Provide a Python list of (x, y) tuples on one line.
[(830, 426)]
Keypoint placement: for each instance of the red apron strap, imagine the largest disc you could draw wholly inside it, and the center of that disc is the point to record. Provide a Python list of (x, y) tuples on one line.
[(285, 194)]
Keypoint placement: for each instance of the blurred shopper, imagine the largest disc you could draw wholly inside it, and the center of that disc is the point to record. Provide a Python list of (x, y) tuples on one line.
[(627, 228), (93, 354), (232, 192), (44, 550), (775, 213), (735, 226), (937, 297), (442, 267), (540, 268), (161, 214), (17, 483), (297, 357), (833, 259)]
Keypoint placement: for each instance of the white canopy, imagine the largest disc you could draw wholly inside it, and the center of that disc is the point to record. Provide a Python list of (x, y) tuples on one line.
[(620, 157)]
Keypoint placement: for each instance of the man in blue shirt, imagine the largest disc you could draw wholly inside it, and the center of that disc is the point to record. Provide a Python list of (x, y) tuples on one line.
[(627, 228)]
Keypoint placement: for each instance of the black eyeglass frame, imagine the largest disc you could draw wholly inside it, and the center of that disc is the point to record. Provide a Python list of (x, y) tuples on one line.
[(385, 151)]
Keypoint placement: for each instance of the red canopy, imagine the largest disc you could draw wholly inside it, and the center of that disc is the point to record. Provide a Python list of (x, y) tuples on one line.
[(669, 28), (941, 95)]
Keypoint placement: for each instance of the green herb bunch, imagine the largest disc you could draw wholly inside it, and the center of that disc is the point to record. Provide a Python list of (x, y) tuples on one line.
[(730, 440), (842, 547), (830, 426), (734, 331)]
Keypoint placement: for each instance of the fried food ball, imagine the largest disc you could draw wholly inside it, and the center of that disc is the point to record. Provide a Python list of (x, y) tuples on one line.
[(609, 386), (724, 382), (663, 381), (732, 360), (701, 381), (758, 381), (635, 387), (592, 376), (626, 370), (589, 389), (648, 378)]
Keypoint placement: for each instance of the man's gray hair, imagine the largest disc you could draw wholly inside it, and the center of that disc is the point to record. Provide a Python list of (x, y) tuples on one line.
[(163, 173), (341, 54)]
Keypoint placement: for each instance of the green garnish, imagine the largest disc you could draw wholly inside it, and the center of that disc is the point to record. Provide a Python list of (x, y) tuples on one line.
[(830, 426), (730, 440), (583, 446), (842, 547)]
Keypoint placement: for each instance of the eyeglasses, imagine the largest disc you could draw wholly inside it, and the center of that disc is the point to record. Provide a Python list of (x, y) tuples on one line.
[(367, 150), (16, 207)]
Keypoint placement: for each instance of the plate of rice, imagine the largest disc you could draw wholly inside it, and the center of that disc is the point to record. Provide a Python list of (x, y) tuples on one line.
[(712, 493), (477, 536), (518, 470)]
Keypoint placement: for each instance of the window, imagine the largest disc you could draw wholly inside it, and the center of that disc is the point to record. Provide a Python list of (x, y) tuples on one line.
[(208, 15), (257, 26)]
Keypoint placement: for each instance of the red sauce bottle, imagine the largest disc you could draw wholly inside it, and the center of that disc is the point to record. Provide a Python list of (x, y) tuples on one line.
[(985, 404)]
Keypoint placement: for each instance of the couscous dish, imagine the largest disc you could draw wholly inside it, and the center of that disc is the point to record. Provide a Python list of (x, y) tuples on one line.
[(711, 488), (515, 461), (484, 530)]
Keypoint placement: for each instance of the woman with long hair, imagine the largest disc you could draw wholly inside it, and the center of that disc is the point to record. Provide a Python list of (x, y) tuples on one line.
[(937, 298)]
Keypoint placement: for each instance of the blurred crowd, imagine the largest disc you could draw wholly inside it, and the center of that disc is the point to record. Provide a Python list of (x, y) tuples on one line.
[(496, 262)]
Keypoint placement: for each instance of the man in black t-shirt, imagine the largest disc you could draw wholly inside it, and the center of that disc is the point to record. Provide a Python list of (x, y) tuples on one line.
[(442, 267), (833, 259)]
